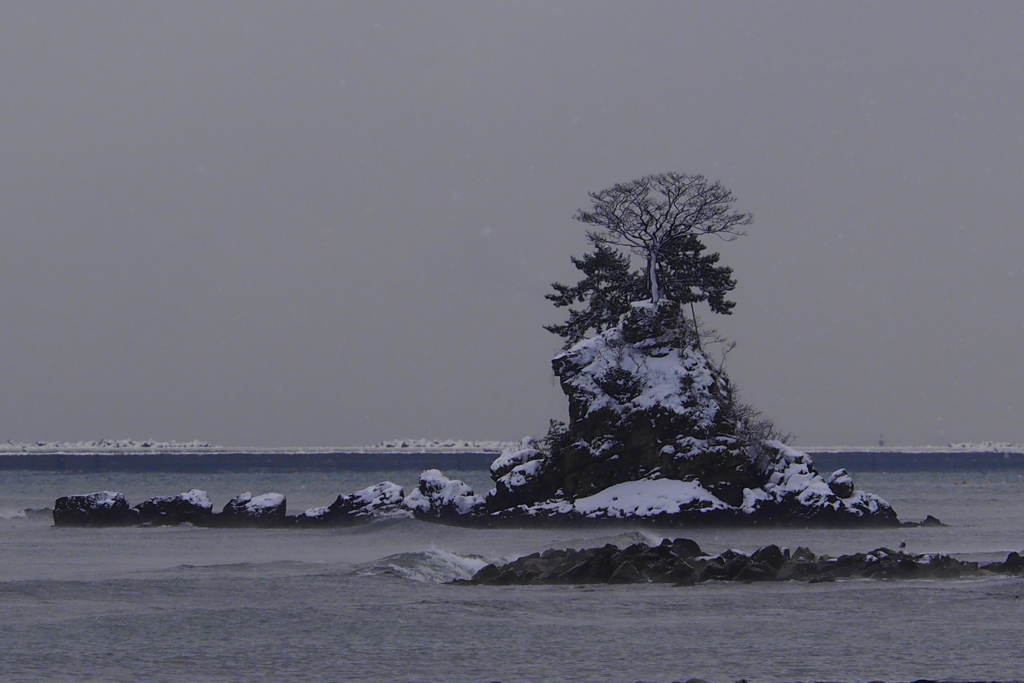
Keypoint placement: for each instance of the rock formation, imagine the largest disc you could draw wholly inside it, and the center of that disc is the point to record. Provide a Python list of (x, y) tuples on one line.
[(656, 433), (103, 508), (682, 562), (245, 509), (439, 498), (381, 500), (193, 507)]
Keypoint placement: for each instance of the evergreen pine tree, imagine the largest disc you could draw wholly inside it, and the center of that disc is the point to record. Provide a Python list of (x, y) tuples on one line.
[(607, 289), (687, 275)]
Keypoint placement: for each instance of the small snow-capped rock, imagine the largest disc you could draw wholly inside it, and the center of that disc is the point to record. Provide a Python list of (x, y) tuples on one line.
[(378, 501), (193, 506), (439, 497), (841, 483), (248, 510), (513, 457)]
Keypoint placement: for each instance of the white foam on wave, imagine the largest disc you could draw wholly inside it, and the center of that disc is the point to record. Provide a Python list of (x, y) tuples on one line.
[(23, 514), (620, 540), (427, 566)]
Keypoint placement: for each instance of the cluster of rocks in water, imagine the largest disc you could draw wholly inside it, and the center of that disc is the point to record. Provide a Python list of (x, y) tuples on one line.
[(108, 508), (436, 498), (682, 562)]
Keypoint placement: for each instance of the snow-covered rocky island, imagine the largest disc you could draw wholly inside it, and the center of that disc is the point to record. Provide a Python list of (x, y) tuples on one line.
[(655, 435)]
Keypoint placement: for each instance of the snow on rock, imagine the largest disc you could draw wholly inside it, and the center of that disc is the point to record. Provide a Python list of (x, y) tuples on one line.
[(841, 483), (796, 489), (793, 492), (318, 514), (439, 497), (656, 433), (645, 401), (648, 498), (248, 510), (513, 456), (383, 500), (103, 508), (193, 506)]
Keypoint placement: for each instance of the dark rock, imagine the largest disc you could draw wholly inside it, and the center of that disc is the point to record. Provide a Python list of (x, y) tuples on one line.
[(802, 554), (841, 483), (380, 500), (770, 555), (626, 573), (927, 521), (247, 510), (487, 574), (735, 565), (713, 570), (943, 566), (617, 435), (1014, 564), (682, 574), (599, 566), (755, 571), (640, 563), (103, 508), (192, 507), (684, 548), (792, 570), (846, 566)]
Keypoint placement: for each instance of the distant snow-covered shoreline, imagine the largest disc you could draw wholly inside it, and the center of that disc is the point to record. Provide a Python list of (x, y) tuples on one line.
[(128, 446), (420, 446), (983, 447)]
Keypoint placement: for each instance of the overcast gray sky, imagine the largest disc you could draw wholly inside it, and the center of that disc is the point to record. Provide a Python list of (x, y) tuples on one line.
[(323, 223)]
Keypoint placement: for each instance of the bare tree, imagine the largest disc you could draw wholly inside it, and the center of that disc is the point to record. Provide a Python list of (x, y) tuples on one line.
[(650, 214)]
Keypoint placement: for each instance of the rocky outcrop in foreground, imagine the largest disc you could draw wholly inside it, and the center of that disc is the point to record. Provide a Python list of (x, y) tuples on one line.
[(681, 562)]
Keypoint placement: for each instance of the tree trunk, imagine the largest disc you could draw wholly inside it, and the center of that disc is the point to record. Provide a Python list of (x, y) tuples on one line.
[(652, 274)]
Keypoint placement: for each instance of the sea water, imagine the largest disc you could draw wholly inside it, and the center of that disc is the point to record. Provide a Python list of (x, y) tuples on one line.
[(375, 603)]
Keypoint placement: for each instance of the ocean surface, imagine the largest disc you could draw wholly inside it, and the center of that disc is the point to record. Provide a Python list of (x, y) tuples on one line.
[(373, 603)]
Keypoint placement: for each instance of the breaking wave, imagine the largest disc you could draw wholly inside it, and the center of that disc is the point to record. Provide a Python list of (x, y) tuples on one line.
[(622, 540), (24, 514), (427, 566)]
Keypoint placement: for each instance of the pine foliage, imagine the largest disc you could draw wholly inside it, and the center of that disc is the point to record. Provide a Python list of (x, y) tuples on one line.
[(609, 285), (687, 275), (607, 289)]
